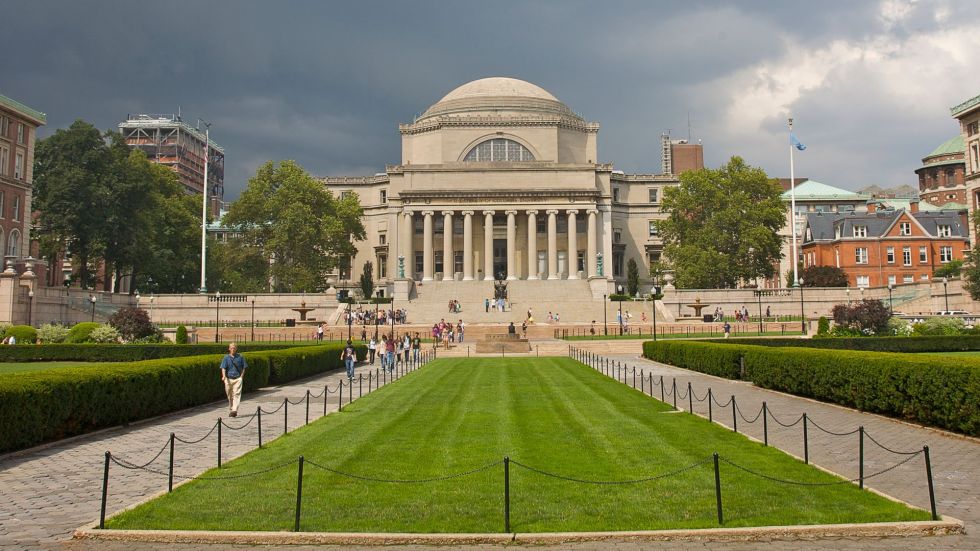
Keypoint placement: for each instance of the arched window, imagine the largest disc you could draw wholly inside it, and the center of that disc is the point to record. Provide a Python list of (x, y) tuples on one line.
[(498, 150), (13, 244)]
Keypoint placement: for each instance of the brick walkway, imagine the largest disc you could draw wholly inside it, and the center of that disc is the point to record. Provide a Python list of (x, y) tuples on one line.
[(49, 492)]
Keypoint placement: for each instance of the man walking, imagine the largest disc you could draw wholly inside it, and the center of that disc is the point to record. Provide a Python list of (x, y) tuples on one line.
[(349, 355), (233, 367)]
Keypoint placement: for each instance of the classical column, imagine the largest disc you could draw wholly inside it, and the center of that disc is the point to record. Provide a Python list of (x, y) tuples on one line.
[(467, 245), (607, 241), (427, 246), (572, 245), (532, 244), (408, 234), (488, 245), (553, 245), (511, 244), (448, 259), (590, 240)]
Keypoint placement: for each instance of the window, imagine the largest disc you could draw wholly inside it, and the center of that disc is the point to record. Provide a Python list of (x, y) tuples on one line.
[(944, 230), (971, 129), (906, 256), (924, 277), (905, 228), (975, 157), (860, 231), (382, 238), (890, 255), (20, 134), (4, 126), (618, 264), (438, 261), (861, 255), (908, 279), (382, 266), (652, 228), (615, 191), (418, 225), (498, 150), (419, 263), (16, 207), (457, 225), (945, 254), (923, 255), (4, 161), (384, 196), (458, 261), (19, 166), (1, 209), (345, 194), (863, 281), (542, 223), (654, 195), (13, 245), (617, 236), (891, 280)]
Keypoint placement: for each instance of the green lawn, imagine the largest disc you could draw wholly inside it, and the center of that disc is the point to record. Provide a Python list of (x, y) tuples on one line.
[(704, 335), (550, 413), (10, 367), (971, 353)]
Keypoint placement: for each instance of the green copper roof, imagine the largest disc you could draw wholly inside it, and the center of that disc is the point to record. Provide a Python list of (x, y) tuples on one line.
[(965, 106), (815, 191), (18, 106), (949, 147)]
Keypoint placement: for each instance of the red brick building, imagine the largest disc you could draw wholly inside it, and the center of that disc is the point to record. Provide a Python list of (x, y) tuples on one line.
[(18, 127), (885, 246), (941, 176)]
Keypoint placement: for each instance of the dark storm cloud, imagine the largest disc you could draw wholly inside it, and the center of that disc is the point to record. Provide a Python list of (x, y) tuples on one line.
[(326, 83)]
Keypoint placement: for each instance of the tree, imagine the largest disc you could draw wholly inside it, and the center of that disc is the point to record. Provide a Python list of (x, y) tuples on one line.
[(867, 317), (971, 273), (723, 226), (367, 280), (237, 267), (632, 278), (824, 276), (297, 223), (132, 323), (953, 268)]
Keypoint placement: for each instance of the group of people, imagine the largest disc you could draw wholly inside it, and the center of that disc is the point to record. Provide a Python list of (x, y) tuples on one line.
[(495, 304), (455, 307), (367, 317), (391, 351), (445, 332)]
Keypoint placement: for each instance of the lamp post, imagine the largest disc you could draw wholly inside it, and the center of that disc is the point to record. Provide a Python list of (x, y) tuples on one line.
[(891, 308), (802, 311), (392, 317), (946, 292), (620, 289), (92, 299), (30, 307), (350, 318), (217, 315), (605, 325), (376, 303), (848, 293), (656, 291), (252, 338), (64, 314), (758, 294), (152, 298)]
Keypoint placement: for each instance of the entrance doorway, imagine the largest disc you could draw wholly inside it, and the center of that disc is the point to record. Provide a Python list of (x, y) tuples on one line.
[(500, 258)]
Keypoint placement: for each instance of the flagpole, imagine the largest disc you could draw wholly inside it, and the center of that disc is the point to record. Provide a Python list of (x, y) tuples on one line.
[(204, 205), (792, 200)]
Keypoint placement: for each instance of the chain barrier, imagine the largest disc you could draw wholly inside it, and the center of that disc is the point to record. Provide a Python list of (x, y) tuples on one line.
[(275, 410), (405, 481), (832, 433), (887, 449), (201, 439), (127, 465), (296, 403), (240, 427), (612, 482), (742, 415), (696, 399), (835, 483), (721, 405), (780, 423), (144, 465)]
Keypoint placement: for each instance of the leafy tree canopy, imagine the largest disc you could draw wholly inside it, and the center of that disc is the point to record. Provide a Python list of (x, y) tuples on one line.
[(824, 276), (723, 226)]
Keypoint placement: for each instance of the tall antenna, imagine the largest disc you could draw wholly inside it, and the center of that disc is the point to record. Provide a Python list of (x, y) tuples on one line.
[(688, 126)]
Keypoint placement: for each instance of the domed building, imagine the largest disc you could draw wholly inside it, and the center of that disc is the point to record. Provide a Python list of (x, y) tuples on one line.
[(941, 176), (500, 180)]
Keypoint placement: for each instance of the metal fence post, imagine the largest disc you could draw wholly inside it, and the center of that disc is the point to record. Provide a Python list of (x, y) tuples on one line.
[(721, 518), (765, 424), (299, 493), (285, 415), (360, 385), (861, 457), (674, 391), (506, 493), (932, 491), (258, 413), (662, 398), (307, 406), (734, 416), (170, 472), (711, 417), (324, 399), (690, 399), (350, 392), (220, 422), (105, 490), (806, 442)]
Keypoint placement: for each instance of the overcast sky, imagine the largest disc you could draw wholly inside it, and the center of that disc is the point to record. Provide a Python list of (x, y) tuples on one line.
[(326, 83)]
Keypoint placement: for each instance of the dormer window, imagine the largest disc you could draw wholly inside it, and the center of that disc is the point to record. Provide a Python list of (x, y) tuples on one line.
[(860, 231), (944, 230), (905, 228)]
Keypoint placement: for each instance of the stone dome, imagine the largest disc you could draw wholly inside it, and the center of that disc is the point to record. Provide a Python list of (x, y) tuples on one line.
[(499, 97)]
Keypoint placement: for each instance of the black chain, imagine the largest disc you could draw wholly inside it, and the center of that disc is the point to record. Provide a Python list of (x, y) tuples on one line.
[(836, 483), (155, 457), (721, 405), (695, 395), (612, 482), (275, 410), (405, 481), (201, 439), (740, 414), (812, 422), (887, 449), (127, 465), (249, 422), (778, 422)]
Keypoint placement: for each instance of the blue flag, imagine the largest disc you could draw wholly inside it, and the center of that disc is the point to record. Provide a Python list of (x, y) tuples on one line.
[(796, 143)]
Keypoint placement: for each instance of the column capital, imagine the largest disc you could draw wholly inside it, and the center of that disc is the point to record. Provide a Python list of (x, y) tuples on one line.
[(427, 213), (488, 212), (408, 213), (592, 211), (552, 211), (447, 213), (532, 211), (510, 212), (466, 213), (571, 211)]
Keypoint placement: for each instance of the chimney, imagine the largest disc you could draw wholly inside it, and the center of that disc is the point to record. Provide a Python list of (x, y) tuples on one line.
[(872, 206), (914, 206)]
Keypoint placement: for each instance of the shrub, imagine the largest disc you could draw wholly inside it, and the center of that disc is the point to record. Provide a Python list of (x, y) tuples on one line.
[(939, 326), (870, 344), (4, 327), (953, 268), (899, 327), (25, 334), (52, 333), (91, 352), (181, 337), (81, 331), (868, 316), (824, 276), (132, 323), (105, 334), (823, 326), (615, 297), (698, 356), (46, 405)]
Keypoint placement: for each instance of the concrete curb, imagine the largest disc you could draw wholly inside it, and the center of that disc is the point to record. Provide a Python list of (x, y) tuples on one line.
[(946, 526)]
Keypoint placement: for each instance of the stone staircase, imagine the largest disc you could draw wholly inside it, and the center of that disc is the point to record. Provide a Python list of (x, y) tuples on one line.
[(572, 300)]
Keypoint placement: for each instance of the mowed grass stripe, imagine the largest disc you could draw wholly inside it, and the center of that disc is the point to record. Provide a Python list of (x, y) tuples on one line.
[(551, 413)]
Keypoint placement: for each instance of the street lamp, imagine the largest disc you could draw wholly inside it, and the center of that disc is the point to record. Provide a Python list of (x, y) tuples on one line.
[(605, 325), (656, 291), (376, 303), (350, 318), (30, 307), (92, 299), (392, 317), (891, 308), (217, 314), (848, 293), (946, 293), (253, 321), (620, 288), (802, 312), (758, 294)]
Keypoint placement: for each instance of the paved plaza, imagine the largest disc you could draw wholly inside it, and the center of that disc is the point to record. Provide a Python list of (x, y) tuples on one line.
[(49, 491)]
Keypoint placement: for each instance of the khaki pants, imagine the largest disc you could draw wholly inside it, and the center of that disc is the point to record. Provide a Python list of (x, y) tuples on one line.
[(233, 388)]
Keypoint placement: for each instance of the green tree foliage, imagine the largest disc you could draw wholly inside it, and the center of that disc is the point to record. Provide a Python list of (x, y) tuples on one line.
[(865, 317), (132, 323), (971, 273), (824, 276), (237, 266), (722, 226), (632, 278), (367, 280), (181, 336), (953, 268), (295, 221)]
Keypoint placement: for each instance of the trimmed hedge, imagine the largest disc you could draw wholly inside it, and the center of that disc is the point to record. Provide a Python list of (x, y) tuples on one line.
[(126, 352), (41, 406), (25, 334), (942, 393), (80, 332), (938, 343)]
